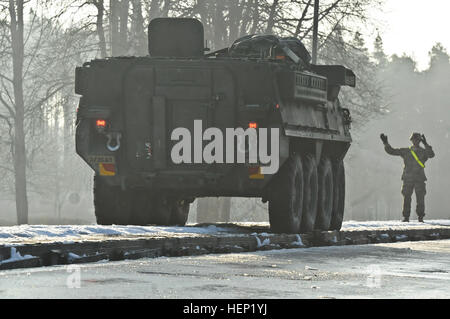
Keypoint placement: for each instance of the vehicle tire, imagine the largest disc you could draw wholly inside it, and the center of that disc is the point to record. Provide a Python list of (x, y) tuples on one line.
[(112, 204), (286, 197), (339, 196), (325, 203), (179, 212), (310, 196)]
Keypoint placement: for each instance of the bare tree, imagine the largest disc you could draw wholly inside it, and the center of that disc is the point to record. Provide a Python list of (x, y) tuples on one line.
[(27, 83), (118, 19), (16, 108), (138, 38), (99, 4), (271, 19)]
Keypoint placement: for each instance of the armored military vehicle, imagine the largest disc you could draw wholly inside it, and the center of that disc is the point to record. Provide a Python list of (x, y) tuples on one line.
[(132, 107)]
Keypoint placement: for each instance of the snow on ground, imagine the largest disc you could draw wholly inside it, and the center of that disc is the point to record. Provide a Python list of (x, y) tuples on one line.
[(69, 233), (15, 256), (370, 225)]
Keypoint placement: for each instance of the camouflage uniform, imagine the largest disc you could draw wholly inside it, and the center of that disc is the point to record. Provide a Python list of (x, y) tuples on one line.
[(413, 176)]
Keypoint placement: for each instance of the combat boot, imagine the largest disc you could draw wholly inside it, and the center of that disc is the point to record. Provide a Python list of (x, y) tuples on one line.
[(405, 220)]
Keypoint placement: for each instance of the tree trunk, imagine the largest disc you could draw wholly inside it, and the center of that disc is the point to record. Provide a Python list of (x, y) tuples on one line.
[(166, 8), (19, 156), (123, 31), (139, 39), (100, 30), (298, 29), (225, 209), (68, 145), (114, 26), (271, 19), (246, 18), (213, 210), (255, 17), (58, 176), (219, 25), (201, 8), (236, 9), (154, 9), (119, 26)]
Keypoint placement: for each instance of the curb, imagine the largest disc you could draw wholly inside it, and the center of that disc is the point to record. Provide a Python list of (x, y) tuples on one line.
[(49, 254)]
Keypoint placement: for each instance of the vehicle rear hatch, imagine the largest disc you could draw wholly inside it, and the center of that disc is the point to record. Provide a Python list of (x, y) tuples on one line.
[(163, 95)]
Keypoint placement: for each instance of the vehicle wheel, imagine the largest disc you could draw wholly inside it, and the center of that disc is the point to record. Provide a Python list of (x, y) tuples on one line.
[(179, 212), (339, 196), (286, 197), (310, 196), (112, 204), (325, 203)]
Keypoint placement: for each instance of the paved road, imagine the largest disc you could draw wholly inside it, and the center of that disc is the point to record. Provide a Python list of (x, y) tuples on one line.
[(399, 270)]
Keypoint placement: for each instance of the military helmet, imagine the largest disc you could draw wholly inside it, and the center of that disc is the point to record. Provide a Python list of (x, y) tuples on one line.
[(415, 136)]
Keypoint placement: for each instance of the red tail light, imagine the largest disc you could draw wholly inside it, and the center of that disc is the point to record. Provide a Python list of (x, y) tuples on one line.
[(253, 125), (101, 123)]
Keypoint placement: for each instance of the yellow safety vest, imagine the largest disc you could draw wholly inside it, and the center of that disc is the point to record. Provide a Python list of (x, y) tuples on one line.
[(416, 158)]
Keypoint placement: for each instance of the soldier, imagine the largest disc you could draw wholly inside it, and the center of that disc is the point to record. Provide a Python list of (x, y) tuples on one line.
[(413, 173)]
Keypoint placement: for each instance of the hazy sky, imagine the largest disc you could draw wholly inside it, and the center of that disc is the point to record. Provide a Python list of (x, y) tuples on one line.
[(413, 26)]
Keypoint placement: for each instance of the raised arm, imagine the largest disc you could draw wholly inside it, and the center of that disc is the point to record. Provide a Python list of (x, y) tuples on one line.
[(393, 151), (388, 148), (428, 149)]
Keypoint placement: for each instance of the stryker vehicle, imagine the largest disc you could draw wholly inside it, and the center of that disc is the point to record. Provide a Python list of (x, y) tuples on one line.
[(130, 107)]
